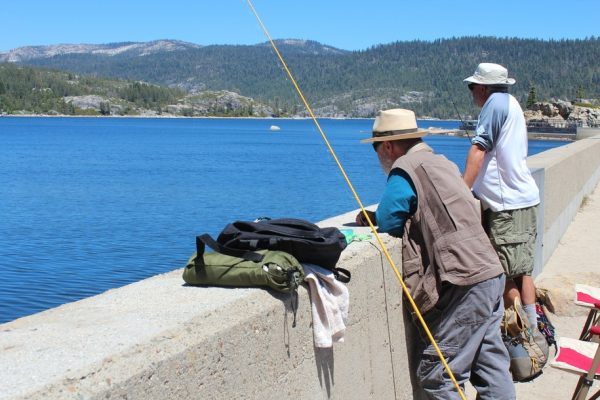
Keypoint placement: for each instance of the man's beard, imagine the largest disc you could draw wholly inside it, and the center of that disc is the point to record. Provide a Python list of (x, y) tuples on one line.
[(386, 165)]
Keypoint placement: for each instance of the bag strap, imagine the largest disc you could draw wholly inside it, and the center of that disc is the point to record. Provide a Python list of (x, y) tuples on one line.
[(342, 274), (213, 244), (199, 261), (286, 227)]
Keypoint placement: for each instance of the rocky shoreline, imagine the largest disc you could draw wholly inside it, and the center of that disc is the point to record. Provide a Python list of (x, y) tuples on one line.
[(584, 113)]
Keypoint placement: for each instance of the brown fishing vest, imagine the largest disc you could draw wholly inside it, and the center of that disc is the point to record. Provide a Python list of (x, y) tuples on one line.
[(444, 240)]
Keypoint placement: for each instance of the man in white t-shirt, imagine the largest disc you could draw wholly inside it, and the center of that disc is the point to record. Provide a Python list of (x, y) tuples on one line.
[(497, 172)]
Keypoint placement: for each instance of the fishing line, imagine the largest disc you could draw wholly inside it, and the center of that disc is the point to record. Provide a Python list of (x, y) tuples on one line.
[(461, 120), (362, 208)]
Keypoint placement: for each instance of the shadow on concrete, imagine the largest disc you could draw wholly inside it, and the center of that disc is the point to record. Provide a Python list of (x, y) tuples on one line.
[(324, 361)]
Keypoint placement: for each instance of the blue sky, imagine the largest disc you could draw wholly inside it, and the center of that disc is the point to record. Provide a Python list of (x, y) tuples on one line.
[(346, 24)]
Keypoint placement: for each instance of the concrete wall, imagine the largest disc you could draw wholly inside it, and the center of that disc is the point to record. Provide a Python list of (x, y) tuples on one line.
[(585, 133), (159, 339), (565, 175)]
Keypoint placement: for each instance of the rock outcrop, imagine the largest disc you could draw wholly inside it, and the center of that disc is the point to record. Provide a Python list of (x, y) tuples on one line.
[(564, 111), (207, 103)]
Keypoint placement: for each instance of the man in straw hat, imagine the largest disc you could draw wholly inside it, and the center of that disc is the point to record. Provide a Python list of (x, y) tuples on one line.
[(448, 263), (496, 170)]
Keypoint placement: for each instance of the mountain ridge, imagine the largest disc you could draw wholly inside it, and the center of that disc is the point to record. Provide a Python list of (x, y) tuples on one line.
[(423, 75), (28, 53)]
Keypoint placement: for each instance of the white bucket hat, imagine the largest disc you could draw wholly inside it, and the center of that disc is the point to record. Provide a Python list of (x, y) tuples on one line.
[(395, 124), (490, 74)]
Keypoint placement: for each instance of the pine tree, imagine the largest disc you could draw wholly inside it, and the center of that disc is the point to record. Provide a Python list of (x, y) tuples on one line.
[(580, 92), (531, 97), (104, 108)]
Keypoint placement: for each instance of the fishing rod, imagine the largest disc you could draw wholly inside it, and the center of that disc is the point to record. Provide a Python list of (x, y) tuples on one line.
[(461, 120), (362, 208)]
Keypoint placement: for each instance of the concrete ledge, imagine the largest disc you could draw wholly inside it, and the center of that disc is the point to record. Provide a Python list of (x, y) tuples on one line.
[(159, 339)]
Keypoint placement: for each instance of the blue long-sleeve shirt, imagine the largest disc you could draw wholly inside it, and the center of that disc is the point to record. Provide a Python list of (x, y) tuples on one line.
[(398, 203)]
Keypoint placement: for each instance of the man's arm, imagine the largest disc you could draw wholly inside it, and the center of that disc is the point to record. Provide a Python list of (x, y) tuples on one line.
[(489, 125), (398, 203), (473, 164), (361, 220)]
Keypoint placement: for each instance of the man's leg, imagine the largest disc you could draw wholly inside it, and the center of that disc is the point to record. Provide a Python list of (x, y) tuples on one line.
[(526, 288), (493, 362), (527, 292), (527, 296), (460, 323), (513, 235), (511, 292)]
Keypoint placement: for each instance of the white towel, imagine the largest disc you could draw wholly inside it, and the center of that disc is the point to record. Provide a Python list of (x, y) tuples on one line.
[(329, 300)]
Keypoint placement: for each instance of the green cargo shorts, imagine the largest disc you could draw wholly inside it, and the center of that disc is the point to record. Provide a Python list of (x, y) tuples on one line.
[(513, 233)]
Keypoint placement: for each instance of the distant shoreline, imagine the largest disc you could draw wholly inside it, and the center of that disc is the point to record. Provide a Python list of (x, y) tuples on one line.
[(166, 117), (453, 132), (435, 131), (199, 117)]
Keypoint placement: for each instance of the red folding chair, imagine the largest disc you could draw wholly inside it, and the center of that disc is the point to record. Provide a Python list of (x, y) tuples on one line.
[(589, 297), (583, 358)]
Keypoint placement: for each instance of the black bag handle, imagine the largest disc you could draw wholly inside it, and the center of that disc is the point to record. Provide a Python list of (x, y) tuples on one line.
[(199, 261), (285, 227), (213, 244), (294, 227), (342, 274)]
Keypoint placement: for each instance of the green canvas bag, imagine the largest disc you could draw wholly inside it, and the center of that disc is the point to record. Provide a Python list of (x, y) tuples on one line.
[(278, 270)]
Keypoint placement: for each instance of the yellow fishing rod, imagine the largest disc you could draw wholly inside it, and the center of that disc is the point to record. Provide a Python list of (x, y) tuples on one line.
[(362, 208)]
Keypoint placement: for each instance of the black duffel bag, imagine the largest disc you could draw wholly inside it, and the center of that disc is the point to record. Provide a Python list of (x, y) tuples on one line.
[(302, 239)]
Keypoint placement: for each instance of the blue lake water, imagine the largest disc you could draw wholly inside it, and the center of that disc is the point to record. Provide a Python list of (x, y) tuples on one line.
[(89, 204)]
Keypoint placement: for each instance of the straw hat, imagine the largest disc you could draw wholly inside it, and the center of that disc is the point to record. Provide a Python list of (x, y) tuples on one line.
[(490, 74), (395, 124)]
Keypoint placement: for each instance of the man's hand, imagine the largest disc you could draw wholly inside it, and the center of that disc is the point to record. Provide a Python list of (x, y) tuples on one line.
[(362, 221)]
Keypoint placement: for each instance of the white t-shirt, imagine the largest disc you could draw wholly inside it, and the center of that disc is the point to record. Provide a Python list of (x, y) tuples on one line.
[(504, 181)]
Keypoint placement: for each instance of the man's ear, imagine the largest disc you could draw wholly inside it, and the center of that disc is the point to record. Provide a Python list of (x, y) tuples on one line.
[(390, 149), (387, 147)]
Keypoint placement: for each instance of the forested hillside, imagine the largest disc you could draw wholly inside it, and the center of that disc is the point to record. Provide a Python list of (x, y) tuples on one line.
[(40, 91), (424, 76)]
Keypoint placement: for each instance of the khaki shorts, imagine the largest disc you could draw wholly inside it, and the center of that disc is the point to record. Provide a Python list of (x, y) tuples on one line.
[(513, 234)]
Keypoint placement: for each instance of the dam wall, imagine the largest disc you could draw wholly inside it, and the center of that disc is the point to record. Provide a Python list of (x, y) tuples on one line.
[(161, 339)]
